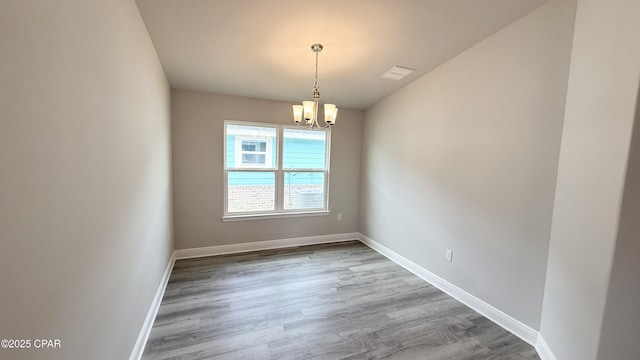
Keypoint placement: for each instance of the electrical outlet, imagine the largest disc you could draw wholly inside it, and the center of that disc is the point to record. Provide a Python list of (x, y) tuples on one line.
[(339, 216), (448, 255)]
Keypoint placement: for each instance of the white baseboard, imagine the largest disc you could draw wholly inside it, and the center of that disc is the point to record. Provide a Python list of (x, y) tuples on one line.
[(263, 245), (138, 348), (509, 323), (543, 349)]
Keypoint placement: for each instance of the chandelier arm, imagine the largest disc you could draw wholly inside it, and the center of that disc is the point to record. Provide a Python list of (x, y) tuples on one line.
[(309, 127)]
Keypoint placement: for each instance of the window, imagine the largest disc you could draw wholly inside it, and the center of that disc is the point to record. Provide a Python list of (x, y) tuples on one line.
[(272, 169), (253, 152)]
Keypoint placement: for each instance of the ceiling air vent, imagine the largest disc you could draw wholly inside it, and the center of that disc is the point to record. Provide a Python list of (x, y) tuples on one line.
[(397, 73)]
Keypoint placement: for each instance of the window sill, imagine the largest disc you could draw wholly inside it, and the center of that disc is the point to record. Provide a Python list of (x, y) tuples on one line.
[(243, 217)]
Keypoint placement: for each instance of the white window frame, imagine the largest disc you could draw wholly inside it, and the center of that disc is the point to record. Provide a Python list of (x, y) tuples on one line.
[(279, 210)]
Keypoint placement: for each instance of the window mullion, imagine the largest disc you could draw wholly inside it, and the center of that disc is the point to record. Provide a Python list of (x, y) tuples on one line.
[(279, 172)]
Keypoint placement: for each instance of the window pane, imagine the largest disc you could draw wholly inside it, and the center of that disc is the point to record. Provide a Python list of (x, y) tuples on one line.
[(247, 146), (250, 191), (253, 159), (304, 149), (303, 190), (254, 145), (250, 147)]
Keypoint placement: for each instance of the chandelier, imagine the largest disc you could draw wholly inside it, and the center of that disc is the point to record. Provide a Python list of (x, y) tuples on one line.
[(309, 109)]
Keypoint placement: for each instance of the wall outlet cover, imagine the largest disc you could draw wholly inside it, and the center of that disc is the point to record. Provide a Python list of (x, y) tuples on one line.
[(448, 255)]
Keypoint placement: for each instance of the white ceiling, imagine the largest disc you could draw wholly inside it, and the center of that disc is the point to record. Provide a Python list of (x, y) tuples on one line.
[(261, 48)]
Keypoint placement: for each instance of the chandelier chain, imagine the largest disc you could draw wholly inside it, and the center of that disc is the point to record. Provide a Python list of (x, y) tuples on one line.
[(315, 83)]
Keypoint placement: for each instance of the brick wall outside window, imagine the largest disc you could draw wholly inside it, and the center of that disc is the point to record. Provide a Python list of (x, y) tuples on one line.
[(243, 198)]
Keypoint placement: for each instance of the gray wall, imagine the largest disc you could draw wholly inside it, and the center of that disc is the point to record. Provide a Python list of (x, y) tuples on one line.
[(197, 135), (465, 158), (85, 210), (601, 103), (621, 320)]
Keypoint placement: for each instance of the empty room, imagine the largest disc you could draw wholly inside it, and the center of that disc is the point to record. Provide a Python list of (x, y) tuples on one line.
[(287, 179)]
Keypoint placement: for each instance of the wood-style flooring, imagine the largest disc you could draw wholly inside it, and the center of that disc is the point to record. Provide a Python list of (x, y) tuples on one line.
[(334, 301)]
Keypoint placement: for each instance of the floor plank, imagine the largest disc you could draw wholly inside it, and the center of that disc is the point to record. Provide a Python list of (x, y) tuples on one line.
[(332, 301)]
